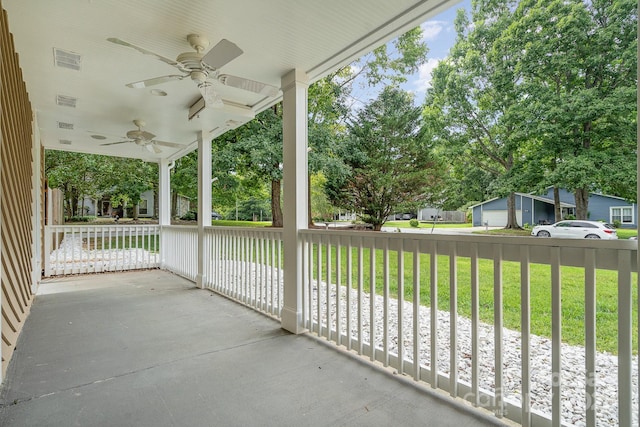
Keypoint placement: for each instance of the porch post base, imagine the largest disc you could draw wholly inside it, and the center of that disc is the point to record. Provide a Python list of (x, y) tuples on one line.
[(292, 321), (201, 280)]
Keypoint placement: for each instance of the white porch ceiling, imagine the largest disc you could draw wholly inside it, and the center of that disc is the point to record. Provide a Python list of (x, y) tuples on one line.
[(275, 35)]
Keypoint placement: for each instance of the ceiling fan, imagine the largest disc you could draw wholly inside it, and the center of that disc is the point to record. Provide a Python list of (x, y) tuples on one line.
[(145, 139), (203, 69)]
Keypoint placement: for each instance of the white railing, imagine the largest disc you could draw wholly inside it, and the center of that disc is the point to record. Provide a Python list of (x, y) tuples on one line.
[(245, 264), (95, 249), (180, 250), (533, 385)]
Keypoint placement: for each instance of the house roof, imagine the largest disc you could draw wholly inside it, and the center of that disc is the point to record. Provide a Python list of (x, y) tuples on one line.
[(531, 196), (275, 36)]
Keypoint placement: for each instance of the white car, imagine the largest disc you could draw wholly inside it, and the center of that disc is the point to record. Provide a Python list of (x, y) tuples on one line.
[(576, 229)]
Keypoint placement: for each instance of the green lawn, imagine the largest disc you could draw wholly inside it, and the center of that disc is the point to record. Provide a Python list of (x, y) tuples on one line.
[(540, 294), (231, 223), (148, 243), (405, 224)]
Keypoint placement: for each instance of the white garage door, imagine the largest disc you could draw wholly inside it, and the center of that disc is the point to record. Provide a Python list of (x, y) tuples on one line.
[(499, 218)]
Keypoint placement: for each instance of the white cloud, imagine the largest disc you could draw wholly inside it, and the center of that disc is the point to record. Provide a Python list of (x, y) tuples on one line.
[(431, 29), (423, 82)]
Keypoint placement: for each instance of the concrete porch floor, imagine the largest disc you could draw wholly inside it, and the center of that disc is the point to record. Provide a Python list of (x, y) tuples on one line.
[(150, 349)]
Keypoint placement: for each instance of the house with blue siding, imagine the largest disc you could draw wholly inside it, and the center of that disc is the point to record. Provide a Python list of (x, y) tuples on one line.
[(538, 209)]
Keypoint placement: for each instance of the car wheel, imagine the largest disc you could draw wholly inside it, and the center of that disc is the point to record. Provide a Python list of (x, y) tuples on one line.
[(543, 233), (591, 236)]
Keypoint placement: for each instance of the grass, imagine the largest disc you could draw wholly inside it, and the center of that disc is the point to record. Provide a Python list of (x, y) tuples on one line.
[(150, 244), (231, 223), (540, 294), (405, 224)]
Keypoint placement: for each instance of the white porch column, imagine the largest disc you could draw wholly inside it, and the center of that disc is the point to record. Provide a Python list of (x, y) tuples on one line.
[(164, 192), (204, 202), (164, 205), (294, 133)]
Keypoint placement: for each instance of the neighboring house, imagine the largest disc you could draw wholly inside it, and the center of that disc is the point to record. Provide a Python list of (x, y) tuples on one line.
[(536, 209), (104, 208), (428, 213), (145, 207)]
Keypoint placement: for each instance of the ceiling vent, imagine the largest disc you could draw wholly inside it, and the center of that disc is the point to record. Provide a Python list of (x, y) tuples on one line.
[(66, 126), (66, 59), (65, 142), (66, 101)]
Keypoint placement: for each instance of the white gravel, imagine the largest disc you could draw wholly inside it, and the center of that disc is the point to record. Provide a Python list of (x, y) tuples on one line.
[(573, 357), (73, 256)]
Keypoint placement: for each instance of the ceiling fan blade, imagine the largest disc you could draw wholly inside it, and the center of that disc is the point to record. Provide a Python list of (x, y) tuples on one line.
[(143, 51), (250, 85), (155, 81), (152, 148), (114, 143), (168, 144), (221, 54)]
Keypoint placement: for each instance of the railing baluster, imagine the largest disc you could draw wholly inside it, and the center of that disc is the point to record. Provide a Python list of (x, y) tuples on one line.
[(497, 330), (360, 295), (453, 320), (385, 303), (625, 322), (525, 316), (338, 285), (475, 325), (328, 289), (433, 296), (319, 284), (416, 311), (556, 338), (590, 335), (349, 285), (372, 300), (400, 308)]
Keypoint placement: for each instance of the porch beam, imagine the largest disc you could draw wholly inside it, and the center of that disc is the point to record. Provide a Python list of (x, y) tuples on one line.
[(204, 201), (294, 133)]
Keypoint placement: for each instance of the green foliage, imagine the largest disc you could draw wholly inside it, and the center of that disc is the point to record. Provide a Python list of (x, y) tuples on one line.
[(390, 166), (617, 223), (81, 175), (88, 218), (414, 223), (191, 215)]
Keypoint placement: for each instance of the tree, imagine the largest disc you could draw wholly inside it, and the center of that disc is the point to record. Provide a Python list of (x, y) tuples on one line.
[(80, 175), (473, 107), (257, 146), (390, 164), (578, 68)]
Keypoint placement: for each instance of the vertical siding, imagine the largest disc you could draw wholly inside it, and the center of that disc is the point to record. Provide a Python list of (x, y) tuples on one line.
[(15, 195)]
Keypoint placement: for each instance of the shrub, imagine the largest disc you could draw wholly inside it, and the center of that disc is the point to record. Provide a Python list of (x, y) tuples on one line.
[(189, 216), (414, 223), (616, 223), (77, 218)]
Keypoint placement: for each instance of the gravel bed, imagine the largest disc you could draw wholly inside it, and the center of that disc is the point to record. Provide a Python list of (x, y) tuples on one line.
[(572, 357)]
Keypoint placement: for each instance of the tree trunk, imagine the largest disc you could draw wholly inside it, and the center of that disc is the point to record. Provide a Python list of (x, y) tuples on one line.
[(155, 202), (512, 220), (557, 209), (582, 203), (276, 208), (174, 204), (135, 211)]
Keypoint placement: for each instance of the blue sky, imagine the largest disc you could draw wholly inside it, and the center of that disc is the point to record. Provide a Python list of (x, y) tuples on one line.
[(439, 34)]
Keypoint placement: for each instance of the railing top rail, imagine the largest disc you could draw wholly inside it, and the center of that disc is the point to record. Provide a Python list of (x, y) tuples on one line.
[(267, 230), (89, 225), (572, 251)]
